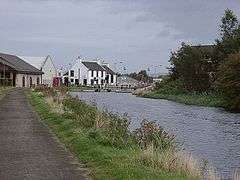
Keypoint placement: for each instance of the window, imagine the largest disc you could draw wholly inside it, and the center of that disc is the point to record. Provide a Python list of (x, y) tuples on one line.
[(92, 73), (102, 74), (72, 73), (97, 73), (76, 81), (72, 80)]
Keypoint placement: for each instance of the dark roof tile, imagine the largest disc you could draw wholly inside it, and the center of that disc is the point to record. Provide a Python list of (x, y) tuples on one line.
[(19, 64), (108, 70), (94, 66)]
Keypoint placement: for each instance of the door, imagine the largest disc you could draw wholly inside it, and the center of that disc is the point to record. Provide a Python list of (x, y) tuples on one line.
[(85, 82), (23, 81), (30, 81)]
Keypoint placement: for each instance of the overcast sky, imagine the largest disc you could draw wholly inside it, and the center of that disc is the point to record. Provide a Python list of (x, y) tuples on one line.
[(141, 33)]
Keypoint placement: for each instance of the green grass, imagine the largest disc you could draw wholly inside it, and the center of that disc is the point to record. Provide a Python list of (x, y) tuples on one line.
[(209, 100), (103, 160)]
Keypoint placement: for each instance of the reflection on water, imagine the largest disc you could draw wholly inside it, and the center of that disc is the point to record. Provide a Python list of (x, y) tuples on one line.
[(209, 133)]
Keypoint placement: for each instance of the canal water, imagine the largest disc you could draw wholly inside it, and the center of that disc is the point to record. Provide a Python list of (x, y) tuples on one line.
[(211, 134)]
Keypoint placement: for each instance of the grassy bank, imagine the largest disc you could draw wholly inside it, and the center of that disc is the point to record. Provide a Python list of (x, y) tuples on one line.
[(209, 100), (103, 142)]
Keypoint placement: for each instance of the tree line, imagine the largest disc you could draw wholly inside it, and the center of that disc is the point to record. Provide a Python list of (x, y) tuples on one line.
[(212, 68)]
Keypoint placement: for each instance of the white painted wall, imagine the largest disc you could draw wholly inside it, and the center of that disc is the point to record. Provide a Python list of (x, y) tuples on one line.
[(44, 64), (49, 71), (80, 72), (19, 78), (114, 79)]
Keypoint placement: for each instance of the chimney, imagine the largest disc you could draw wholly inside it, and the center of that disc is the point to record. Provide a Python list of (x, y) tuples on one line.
[(99, 61), (79, 58)]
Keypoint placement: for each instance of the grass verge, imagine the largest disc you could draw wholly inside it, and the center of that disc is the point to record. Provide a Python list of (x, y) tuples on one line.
[(102, 146), (208, 100)]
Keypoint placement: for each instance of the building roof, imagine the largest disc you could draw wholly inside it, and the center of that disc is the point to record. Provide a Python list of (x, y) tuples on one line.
[(108, 70), (19, 65), (94, 66), (123, 80), (37, 62), (205, 48)]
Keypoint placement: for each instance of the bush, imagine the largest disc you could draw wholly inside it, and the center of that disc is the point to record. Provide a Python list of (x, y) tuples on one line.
[(151, 134), (190, 65), (170, 86), (84, 114), (118, 130), (228, 81)]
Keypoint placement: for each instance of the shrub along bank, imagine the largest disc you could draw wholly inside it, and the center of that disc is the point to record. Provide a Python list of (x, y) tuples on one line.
[(104, 143), (173, 90), (208, 74)]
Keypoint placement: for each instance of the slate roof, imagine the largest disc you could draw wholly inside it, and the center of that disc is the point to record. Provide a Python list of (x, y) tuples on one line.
[(124, 80), (94, 66), (205, 48), (37, 62), (108, 70), (19, 65)]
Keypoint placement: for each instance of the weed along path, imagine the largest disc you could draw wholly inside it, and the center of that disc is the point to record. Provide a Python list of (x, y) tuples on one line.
[(27, 149), (211, 134)]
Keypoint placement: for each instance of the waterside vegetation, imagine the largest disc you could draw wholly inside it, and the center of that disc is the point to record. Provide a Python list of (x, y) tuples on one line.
[(103, 142), (206, 75), (170, 90)]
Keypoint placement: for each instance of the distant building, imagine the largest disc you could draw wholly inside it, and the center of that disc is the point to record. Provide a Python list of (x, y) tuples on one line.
[(127, 82), (89, 73), (14, 71), (44, 64), (157, 79)]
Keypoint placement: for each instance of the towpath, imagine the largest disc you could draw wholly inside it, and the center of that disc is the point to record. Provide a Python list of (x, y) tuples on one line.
[(28, 150)]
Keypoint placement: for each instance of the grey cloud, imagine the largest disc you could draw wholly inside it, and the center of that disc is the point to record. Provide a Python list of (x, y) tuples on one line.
[(140, 32)]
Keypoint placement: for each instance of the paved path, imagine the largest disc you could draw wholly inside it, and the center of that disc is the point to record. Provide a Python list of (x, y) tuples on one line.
[(27, 149)]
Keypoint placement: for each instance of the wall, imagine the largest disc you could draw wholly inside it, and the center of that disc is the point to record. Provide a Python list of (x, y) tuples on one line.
[(114, 79), (99, 77), (80, 72), (49, 71), (19, 78)]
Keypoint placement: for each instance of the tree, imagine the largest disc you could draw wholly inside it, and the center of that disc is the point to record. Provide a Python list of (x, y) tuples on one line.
[(228, 81), (229, 24), (229, 41), (141, 76), (191, 66)]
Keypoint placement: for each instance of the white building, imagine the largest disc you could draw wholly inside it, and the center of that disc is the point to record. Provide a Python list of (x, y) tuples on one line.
[(44, 64), (89, 73)]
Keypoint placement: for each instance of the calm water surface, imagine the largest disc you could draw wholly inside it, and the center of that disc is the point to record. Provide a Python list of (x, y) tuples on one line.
[(209, 133)]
